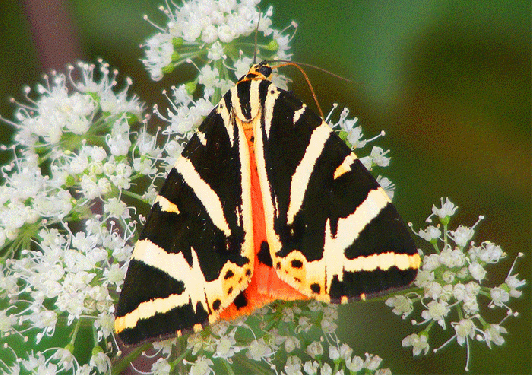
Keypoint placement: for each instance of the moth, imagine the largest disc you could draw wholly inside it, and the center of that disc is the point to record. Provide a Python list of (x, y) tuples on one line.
[(266, 202)]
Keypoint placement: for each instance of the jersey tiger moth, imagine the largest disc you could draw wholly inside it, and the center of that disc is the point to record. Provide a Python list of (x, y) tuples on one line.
[(266, 202)]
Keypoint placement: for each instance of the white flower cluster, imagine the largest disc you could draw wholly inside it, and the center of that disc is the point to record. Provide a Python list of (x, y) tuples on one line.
[(213, 30), (453, 279), (62, 361), (74, 157), (290, 338), (352, 134)]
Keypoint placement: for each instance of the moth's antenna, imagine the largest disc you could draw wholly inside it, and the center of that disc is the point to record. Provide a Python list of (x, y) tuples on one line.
[(290, 63), (287, 62)]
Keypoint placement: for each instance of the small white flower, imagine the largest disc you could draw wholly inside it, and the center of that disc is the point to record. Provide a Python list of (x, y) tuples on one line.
[(122, 176), (459, 292), (226, 34), (226, 347), (448, 277), (334, 353), (462, 235), (315, 349), (328, 325), (431, 262), (378, 157), (491, 253), (430, 233), (311, 368), (208, 76), (345, 351), (499, 297), (418, 343), (433, 290), (401, 304), (513, 283), (436, 310), (291, 343), (463, 329), (452, 258), (216, 52), (104, 323), (493, 333), (7, 322), (164, 347), (424, 278), (304, 324), (161, 367), (116, 209), (355, 364), (119, 144), (477, 271), (202, 366), (447, 209), (293, 366), (100, 361), (209, 34), (372, 362), (65, 358), (242, 66), (258, 350), (46, 319)]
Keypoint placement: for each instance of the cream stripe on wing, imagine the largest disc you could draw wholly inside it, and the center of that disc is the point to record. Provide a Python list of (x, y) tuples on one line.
[(245, 211), (175, 265), (222, 111), (301, 176), (271, 98), (235, 102), (148, 309), (299, 113), (345, 166), (201, 137), (166, 205), (254, 100), (208, 197), (348, 231), (382, 261), (265, 187)]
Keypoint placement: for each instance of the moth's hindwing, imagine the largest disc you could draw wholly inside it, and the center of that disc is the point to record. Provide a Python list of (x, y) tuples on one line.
[(195, 254), (332, 232)]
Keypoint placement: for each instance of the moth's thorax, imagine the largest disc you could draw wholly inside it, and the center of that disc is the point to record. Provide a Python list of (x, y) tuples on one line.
[(245, 100)]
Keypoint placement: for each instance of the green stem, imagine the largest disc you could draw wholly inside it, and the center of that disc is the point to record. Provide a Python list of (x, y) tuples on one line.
[(444, 236), (134, 195), (253, 367), (125, 361), (75, 332), (435, 245), (228, 367)]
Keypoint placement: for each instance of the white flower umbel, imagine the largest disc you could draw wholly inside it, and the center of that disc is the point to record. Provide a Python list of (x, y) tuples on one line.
[(452, 283), (64, 227), (214, 30)]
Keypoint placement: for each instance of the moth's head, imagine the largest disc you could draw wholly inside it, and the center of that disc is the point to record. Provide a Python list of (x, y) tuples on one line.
[(259, 71)]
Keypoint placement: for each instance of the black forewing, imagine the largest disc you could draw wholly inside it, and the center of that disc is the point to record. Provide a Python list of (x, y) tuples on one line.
[(329, 199), (217, 163)]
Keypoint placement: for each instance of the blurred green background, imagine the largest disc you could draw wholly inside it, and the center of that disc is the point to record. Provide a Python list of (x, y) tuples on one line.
[(449, 82)]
